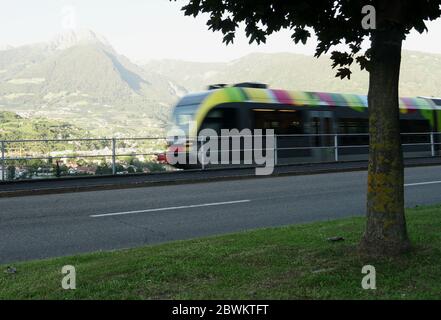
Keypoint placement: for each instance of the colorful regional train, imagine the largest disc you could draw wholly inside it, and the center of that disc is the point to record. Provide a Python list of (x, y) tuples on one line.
[(315, 115)]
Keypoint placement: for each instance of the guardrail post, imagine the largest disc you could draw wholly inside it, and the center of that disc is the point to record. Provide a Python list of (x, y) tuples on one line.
[(336, 148), (3, 160), (113, 156), (432, 144)]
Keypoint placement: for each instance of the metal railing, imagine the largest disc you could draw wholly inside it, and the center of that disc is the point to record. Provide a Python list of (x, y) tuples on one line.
[(55, 149), (115, 148), (336, 146), (432, 146)]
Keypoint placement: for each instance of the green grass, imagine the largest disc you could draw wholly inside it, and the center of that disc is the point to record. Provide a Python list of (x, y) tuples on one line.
[(293, 262)]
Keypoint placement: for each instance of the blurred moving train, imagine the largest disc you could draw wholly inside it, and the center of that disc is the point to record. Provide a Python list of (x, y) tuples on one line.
[(302, 120)]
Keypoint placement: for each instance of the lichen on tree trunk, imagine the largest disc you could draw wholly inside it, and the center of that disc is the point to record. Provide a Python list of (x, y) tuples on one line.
[(385, 232)]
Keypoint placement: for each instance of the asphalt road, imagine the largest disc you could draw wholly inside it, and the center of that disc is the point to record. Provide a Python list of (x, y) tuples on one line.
[(45, 226)]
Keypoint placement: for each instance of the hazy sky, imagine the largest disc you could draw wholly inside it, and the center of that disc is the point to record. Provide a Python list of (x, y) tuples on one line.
[(149, 29)]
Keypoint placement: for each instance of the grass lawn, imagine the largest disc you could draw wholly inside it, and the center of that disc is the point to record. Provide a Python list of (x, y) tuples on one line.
[(293, 262)]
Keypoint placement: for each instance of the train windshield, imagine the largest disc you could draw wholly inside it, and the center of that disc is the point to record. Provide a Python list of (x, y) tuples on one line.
[(183, 115), (186, 109)]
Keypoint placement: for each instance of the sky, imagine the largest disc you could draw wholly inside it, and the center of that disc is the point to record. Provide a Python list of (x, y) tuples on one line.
[(151, 29)]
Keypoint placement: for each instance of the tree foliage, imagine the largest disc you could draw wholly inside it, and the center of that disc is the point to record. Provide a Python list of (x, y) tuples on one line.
[(333, 22)]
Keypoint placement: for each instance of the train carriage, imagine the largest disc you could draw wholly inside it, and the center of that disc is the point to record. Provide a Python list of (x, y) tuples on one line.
[(306, 123)]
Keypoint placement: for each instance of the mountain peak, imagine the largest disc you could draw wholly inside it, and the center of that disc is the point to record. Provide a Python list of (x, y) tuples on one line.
[(72, 38)]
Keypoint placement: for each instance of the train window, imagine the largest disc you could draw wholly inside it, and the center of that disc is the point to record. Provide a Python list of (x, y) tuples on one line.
[(412, 126), (184, 119), (221, 118), (437, 101), (415, 126), (275, 124), (354, 126), (282, 121), (349, 125)]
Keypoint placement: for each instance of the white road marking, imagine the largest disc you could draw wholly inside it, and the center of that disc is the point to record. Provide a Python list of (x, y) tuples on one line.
[(421, 183), (215, 204), (169, 208)]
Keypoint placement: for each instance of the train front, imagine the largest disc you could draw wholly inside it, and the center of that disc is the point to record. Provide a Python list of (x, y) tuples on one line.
[(182, 131)]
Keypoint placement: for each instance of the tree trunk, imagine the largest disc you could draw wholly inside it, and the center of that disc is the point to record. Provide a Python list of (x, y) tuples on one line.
[(385, 232)]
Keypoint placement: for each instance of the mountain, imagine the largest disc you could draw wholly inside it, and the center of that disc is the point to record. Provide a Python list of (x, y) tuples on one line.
[(71, 38), (15, 127), (420, 73), (79, 76)]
